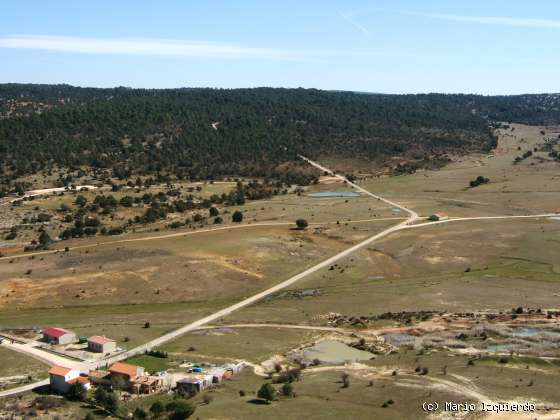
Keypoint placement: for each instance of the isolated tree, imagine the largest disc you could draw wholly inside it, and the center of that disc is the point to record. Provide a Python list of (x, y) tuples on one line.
[(301, 224), (237, 216), (213, 211), (80, 200), (266, 392), (44, 239), (12, 234), (480, 180), (288, 390), (218, 220), (345, 380)]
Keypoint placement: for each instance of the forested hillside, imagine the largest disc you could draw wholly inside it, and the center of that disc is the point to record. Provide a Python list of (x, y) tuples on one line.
[(207, 133)]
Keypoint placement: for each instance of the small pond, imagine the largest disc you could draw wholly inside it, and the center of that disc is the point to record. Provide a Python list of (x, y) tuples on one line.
[(501, 348), (530, 332)]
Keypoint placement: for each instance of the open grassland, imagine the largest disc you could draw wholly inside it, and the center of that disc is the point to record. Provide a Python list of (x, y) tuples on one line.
[(115, 288), (531, 186), (18, 364), (251, 344), (211, 265), (459, 266)]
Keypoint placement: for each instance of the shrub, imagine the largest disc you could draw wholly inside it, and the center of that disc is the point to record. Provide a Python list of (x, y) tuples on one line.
[(237, 216), (157, 409), (301, 224), (266, 392), (77, 392), (288, 390), (179, 409)]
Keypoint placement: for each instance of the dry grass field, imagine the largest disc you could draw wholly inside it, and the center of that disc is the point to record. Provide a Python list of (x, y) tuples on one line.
[(16, 364), (531, 186), (114, 285)]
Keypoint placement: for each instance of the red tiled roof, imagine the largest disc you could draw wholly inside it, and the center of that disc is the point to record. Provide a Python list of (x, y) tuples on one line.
[(125, 369), (79, 379), (97, 339), (59, 371), (55, 332)]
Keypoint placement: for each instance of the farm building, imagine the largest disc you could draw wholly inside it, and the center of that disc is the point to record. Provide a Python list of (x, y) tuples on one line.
[(198, 380), (191, 385), (101, 344), (122, 374), (234, 368), (61, 378), (55, 335), (218, 375)]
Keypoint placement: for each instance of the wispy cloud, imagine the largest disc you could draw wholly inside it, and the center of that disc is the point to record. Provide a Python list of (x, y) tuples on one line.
[(139, 46), (349, 17), (494, 20), (174, 48)]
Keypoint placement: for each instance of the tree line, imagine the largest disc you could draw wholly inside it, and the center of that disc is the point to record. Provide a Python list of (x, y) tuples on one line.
[(142, 131)]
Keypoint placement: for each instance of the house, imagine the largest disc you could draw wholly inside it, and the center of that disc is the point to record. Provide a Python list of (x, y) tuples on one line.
[(55, 335), (122, 375), (60, 377), (234, 368), (101, 344), (218, 375), (146, 384), (190, 385), (208, 380)]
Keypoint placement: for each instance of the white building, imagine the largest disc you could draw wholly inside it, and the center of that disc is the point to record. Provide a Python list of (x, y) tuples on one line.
[(101, 344), (61, 378), (55, 335)]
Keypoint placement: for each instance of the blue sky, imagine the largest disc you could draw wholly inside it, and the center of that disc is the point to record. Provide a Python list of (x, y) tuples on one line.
[(399, 46)]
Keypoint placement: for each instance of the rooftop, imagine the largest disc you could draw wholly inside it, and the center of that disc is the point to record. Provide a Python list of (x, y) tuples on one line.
[(79, 379), (55, 332), (59, 371), (97, 339), (124, 368)]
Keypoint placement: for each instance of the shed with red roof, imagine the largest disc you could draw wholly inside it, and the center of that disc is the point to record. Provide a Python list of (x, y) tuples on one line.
[(55, 335)]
